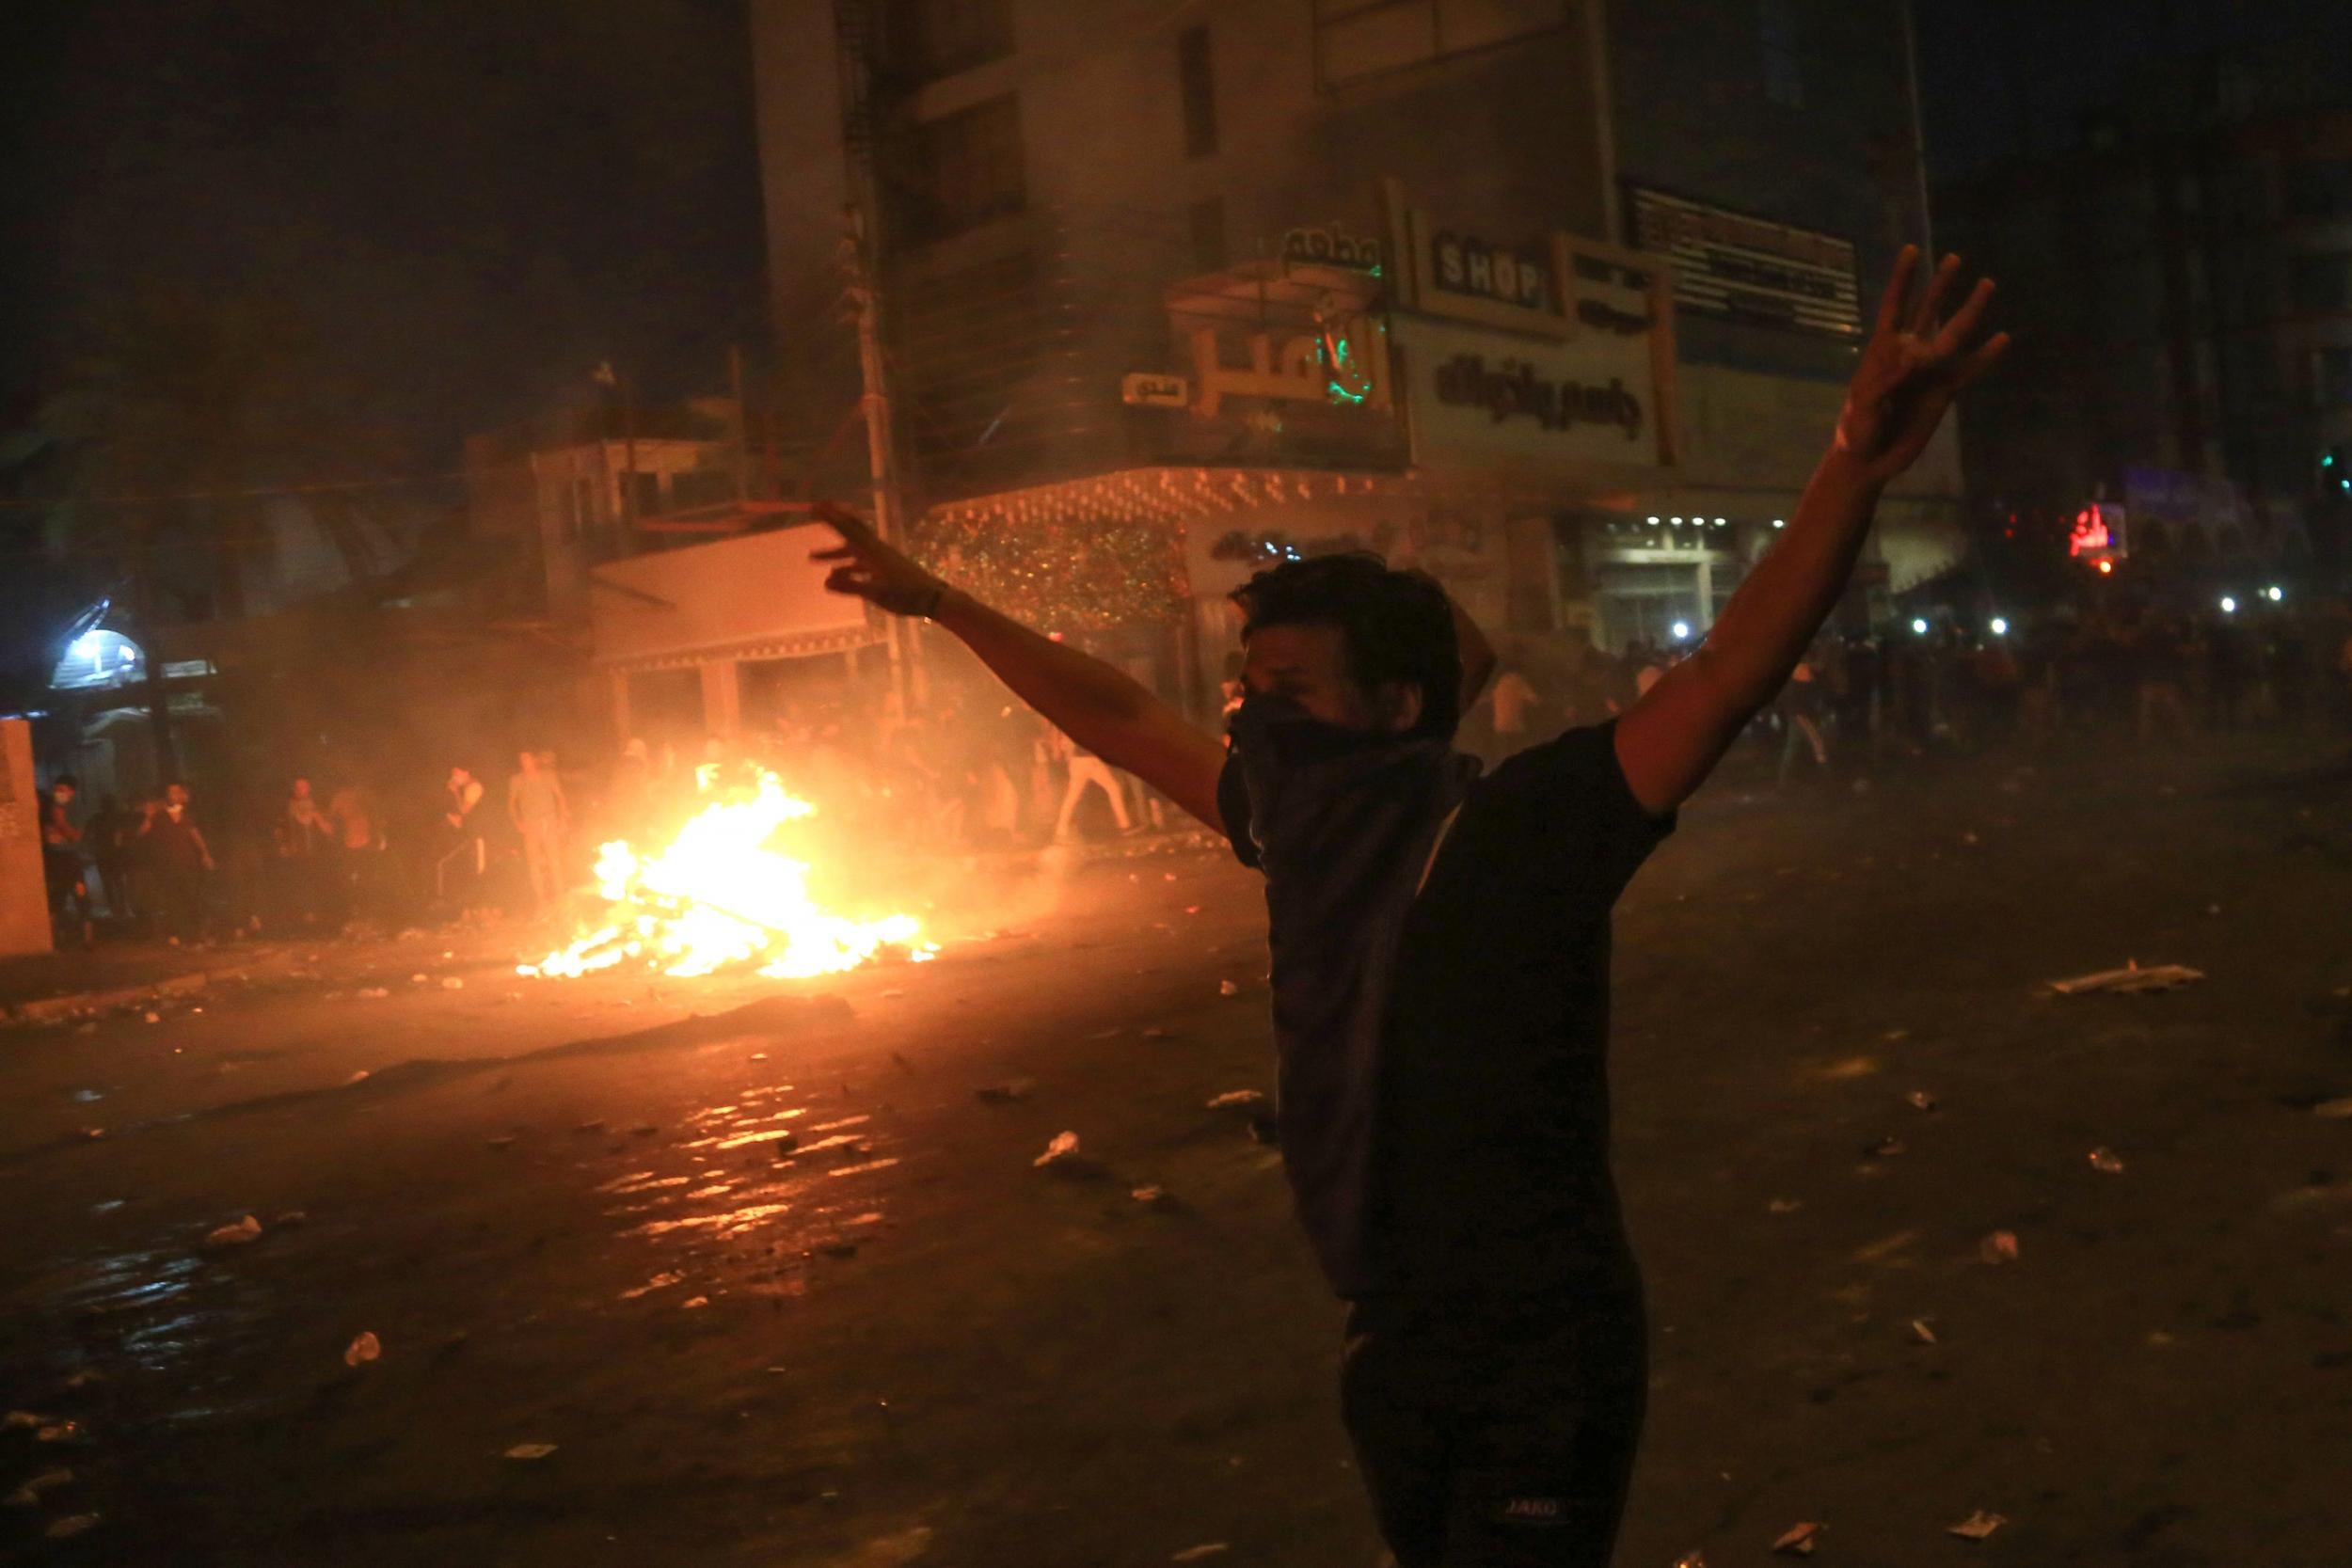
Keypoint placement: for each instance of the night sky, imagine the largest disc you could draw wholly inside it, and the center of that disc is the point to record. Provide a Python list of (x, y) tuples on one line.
[(466, 203), (2018, 78)]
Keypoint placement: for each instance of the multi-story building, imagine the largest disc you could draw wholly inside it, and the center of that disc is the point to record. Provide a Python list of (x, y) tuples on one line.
[(569, 493), (1552, 297), (2180, 270)]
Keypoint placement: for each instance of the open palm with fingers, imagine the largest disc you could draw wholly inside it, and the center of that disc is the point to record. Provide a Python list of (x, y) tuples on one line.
[(1914, 364)]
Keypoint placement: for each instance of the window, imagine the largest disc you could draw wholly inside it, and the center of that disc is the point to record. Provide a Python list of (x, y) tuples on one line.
[(962, 170), (1784, 82), (1358, 40), (930, 38), (1208, 234), (2323, 282), (1199, 86)]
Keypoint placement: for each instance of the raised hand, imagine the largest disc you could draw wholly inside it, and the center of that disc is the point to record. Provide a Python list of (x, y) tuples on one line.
[(872, 570), (1913, 366)]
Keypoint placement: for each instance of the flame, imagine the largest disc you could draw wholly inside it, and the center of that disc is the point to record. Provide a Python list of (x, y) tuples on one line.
[(719, 896)]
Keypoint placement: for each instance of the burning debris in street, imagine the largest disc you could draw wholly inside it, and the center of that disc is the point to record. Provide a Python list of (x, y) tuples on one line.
[(725, 894)]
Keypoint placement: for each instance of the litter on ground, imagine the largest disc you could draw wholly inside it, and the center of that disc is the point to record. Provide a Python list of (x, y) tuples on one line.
[(2130, 980)]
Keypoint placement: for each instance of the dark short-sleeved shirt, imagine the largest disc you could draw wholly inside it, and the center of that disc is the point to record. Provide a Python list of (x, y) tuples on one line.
[(1487, 1171)]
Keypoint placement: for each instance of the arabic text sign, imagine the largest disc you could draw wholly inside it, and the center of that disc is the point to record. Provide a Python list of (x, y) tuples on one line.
[(1750, 269), (1486, 398)]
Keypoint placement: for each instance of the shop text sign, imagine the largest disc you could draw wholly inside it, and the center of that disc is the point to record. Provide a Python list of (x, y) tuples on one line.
[(1467, 265)]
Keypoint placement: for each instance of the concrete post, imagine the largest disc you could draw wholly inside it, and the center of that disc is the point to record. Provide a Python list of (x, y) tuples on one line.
[(722, 697), (617, 685)]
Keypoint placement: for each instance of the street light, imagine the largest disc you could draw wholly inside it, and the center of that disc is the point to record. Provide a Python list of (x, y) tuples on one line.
[(1920, 625), (1682, 631), (1999, 627), (2229, 605), (2274, 593), (1779, 522)]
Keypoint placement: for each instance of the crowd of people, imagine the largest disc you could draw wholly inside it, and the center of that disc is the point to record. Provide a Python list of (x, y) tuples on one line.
[(302, 863), (954, 773), (1932, 685), (968, 770)]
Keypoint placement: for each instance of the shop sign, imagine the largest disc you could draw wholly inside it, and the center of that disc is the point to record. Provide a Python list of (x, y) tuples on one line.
[(1744, 268), (2098, 535), (1456, 274), (1342, 362), (1488, 400), (1467, 265), (1330, 246), (1145, 389), (1511, 387)]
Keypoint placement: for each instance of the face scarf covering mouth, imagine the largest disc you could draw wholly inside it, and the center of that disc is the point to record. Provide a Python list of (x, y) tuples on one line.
[(1344, 821)]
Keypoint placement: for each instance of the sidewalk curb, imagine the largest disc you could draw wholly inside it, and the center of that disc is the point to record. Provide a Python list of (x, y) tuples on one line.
[(54, 1009)]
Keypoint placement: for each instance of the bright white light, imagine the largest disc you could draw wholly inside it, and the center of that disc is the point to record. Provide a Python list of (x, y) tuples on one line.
[(1919, 625), (2274, 593), (1779, 522), (1718, 522), (2229, 605), (1675, 521), (1682, 631), (1999, 627), (1653, 522)]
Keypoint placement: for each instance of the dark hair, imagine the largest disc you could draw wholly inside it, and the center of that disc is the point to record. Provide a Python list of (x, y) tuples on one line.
[(1397, 626)]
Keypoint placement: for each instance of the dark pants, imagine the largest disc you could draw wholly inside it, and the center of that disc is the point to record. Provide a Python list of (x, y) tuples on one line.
[(1497, 1436), (181, 892)]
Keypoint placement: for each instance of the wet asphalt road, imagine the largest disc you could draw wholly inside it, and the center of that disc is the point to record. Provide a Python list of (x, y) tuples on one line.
[(570, 1215)]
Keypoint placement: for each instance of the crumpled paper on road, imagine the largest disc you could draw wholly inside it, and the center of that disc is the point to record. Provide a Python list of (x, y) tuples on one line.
[(28, 1495), (1977, 1526), (245, 1231), (1799, 1540)]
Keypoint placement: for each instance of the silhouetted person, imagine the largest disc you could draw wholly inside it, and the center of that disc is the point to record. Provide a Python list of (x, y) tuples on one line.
[(1440, 944), (466, 857), (62, 865), (109, 833), (541, 816), (178, 860)]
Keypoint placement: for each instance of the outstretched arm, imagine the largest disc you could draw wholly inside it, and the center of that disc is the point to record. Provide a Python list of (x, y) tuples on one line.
[(1097, 707), (1671, 739), (1478, 655)]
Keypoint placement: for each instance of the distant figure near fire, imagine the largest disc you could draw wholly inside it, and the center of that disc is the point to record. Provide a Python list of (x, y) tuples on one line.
[(541, 816), (1440, 960)]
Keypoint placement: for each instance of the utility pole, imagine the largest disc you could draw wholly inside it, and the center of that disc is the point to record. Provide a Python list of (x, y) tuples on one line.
[(152, 655), (1919, 136), (628, 462), (862, 297), (742, 439), (855, 41)]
